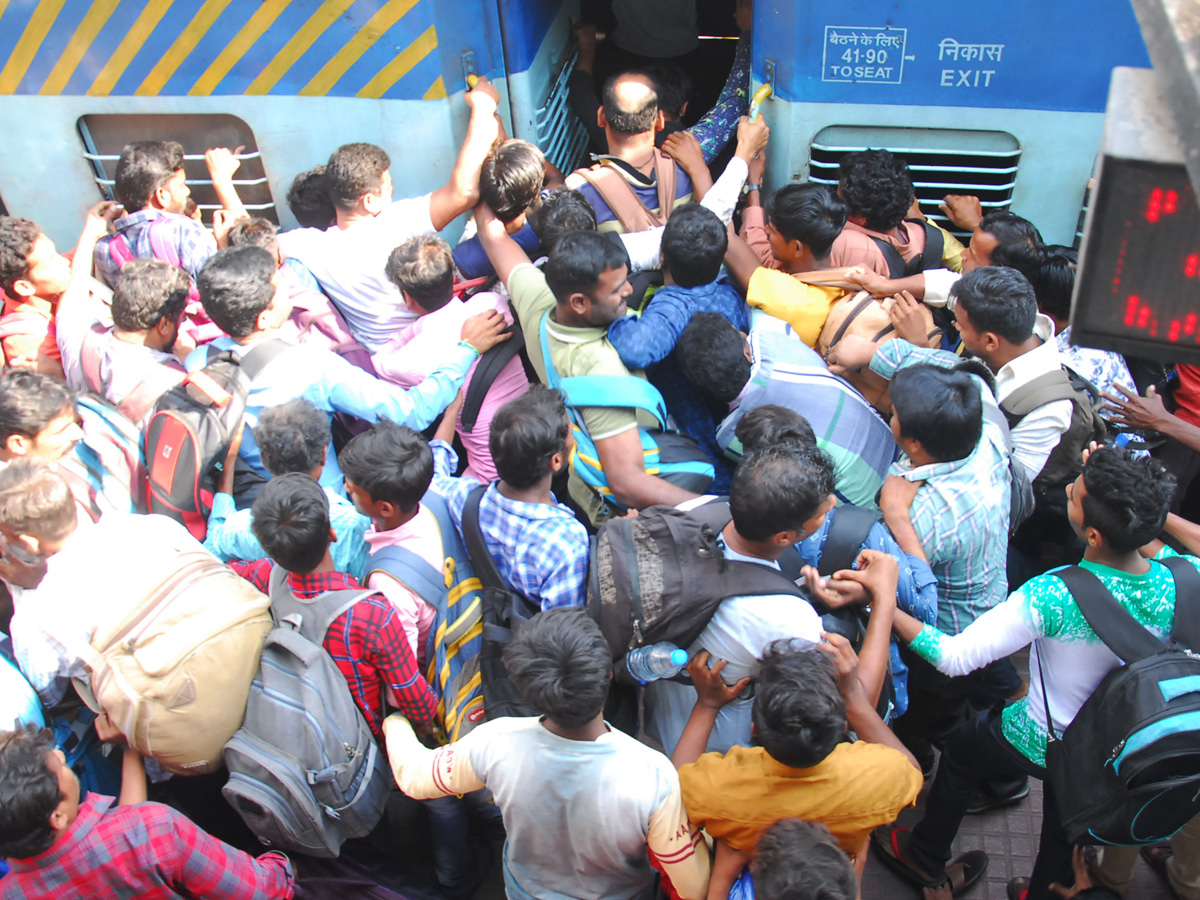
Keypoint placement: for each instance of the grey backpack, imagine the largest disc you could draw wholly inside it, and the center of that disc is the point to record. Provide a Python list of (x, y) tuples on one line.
[(305, 773)]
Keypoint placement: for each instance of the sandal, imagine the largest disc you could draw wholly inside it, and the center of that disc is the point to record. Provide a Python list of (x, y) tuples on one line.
[(961, 873), (1018, 888)]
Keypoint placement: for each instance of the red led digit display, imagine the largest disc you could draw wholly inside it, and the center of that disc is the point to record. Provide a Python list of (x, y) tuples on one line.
[(1139, 289)]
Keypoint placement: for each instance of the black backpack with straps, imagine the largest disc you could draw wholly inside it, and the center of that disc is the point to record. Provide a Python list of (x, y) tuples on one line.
[(929, 258), (1126, 770)]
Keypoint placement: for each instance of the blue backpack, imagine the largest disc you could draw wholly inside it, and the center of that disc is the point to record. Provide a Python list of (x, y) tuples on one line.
[(456, 636), (673, 457)]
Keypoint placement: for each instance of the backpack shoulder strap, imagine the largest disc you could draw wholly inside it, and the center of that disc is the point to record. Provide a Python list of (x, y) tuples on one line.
[(935, 246), (486, 371), (895, 262), (119, 249), (160, 379), (615, 390), (864, 300), (410, 570), (311, 618), (665, 176), (1186, 630), (261, 355), (481, 559), (1035, 394), (162, 246), (621, 198), (89, 359), (847, 532), (1113, 624)]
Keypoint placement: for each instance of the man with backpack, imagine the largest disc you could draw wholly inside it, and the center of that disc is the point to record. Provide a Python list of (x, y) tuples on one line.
[(1117, 505)]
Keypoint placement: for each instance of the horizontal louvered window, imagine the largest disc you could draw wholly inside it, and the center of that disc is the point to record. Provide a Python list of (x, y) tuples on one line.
[(560, 134)]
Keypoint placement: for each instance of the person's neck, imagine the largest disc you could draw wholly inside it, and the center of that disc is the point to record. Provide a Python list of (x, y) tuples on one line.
[(346, 218), (1103, 555), (256, 336), (564, 315), (593, 730), (325, 565), (37, 301), (1008, 352), (539, 493), (757, 549), (804, 262), (395, 520), (137, 338), (635, 149)]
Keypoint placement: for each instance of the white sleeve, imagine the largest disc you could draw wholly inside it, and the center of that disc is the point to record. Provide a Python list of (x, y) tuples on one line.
[(1036, 436), (937, 285), (643, 248), (1001, 631), (71, 329), (722, 197)]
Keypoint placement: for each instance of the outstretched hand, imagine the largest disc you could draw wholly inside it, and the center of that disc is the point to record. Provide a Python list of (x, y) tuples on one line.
[(851, 352), (877, 572), (835, 591), (711, 689), (485, 330), (1133, 411)]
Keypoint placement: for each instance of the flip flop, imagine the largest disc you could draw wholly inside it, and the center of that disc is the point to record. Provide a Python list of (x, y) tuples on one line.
[(961, 873)]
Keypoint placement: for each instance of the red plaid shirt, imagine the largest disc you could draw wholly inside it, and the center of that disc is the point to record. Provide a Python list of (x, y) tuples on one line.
[(367, 643), (148, 851)]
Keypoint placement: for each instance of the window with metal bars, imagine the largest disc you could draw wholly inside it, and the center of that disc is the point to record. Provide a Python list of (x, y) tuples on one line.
[(941, 161), (104, 136), (560, 134)]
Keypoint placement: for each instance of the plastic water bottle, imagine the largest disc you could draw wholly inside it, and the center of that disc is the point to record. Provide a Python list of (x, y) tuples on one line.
[(655, 661)]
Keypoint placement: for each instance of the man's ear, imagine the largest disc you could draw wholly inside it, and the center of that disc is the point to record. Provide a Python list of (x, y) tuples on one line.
[(29, 543), (991, 342), (18, 445), (332, 536), (683, 109), (660, 120), (23, 288), (372, 203), (601, 120), (580, 303), (161, 197)]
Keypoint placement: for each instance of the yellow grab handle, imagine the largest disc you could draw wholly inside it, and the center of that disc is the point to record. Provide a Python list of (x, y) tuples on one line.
[(473, 80), (756, 101)]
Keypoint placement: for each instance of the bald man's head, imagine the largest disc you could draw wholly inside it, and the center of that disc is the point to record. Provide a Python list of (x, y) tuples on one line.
[(630, 104)]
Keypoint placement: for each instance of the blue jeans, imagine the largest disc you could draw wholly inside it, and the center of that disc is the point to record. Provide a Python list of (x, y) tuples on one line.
[(449, 825)]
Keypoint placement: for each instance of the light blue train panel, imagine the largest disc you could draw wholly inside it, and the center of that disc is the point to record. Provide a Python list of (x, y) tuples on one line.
[(1002, 100)]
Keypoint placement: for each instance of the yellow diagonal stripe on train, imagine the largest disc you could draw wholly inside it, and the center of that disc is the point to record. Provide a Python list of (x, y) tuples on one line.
[(391, 13), (97, 15), (400, 66), (27, 47), (437, 90), (263, 18), (326, 14), (183, 46), (133, 41)]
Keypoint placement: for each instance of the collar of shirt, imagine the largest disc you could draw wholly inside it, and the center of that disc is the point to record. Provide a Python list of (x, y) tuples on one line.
[(1031, 365), (415, 527), (907, 227), (523, 508), (141, 217), (569, 334), (314, 583), (906, 470), (91, 809)]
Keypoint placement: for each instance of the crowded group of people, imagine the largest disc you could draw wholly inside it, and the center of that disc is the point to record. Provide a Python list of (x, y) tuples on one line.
[(838, 388)]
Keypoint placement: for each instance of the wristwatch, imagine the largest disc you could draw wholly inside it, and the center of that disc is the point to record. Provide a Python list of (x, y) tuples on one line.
[(746, 189)]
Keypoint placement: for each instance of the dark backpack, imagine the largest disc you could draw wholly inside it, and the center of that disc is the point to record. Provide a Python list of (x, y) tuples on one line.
[(305, 773), (456, 635), (504, 612), (1127, 768), (190, 430), (929, 258), (661, 576)]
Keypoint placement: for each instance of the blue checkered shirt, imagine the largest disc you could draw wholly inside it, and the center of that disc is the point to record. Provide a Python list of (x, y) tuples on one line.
[(961, 512), (540, 550), (191, 241)]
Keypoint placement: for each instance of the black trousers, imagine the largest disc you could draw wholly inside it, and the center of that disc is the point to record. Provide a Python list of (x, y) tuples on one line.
[(977, 752)]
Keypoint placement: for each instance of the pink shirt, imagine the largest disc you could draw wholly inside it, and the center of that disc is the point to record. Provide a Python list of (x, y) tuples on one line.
[(420, 348), (420, 535)]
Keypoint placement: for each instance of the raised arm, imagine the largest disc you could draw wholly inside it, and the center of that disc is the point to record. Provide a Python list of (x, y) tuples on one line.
[(712, 693), (502, 251), (222, 164), (879, 573), (76, 311), (461, 192)]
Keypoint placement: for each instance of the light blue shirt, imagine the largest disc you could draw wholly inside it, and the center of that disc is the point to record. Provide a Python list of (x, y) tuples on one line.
[(230, 536), (332, 384)]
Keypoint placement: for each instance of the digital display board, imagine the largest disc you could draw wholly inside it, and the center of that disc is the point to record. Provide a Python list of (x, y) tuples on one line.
[(1138, 289)]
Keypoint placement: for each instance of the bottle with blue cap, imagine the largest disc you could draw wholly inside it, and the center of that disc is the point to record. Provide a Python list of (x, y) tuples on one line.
[(655, 661)]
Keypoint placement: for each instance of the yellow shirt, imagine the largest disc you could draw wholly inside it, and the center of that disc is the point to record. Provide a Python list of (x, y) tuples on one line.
[(736, 796), (803, 306)]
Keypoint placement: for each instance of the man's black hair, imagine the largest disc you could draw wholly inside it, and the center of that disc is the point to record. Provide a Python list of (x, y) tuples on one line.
[(712, 356), (770, 425), (1127, 498), (1018, 242), (628, 121), (17, 238), (525, 434), (144, 167), (798, 713), (940, 408), (355, 170), (673, 86), (423, 268), (290, 518), (811, 213), (308, 199), (511, 178), (390, 462), (694, 242), (799, 860), (254, 232), (29, 793), (29, 401), (998, 299), (561, 664), (778, 489), (235, 287), (1055, 281), (292, 437), (876, 185), (147, 291), (559, 213), (579, 259)]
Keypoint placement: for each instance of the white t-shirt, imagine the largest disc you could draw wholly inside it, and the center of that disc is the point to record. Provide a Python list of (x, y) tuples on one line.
[(349, 265)]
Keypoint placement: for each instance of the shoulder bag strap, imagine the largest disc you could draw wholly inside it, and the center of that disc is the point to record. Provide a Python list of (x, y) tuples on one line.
[(89, 359), (621, 198), (486, 371), (847, 532), (409, 569), (1035, 394), (895, 262), (615, 391), (935, 246), (1186, 630), (864, 300), (1113, 624), (261, 355), (665, 176), (481, 558)]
